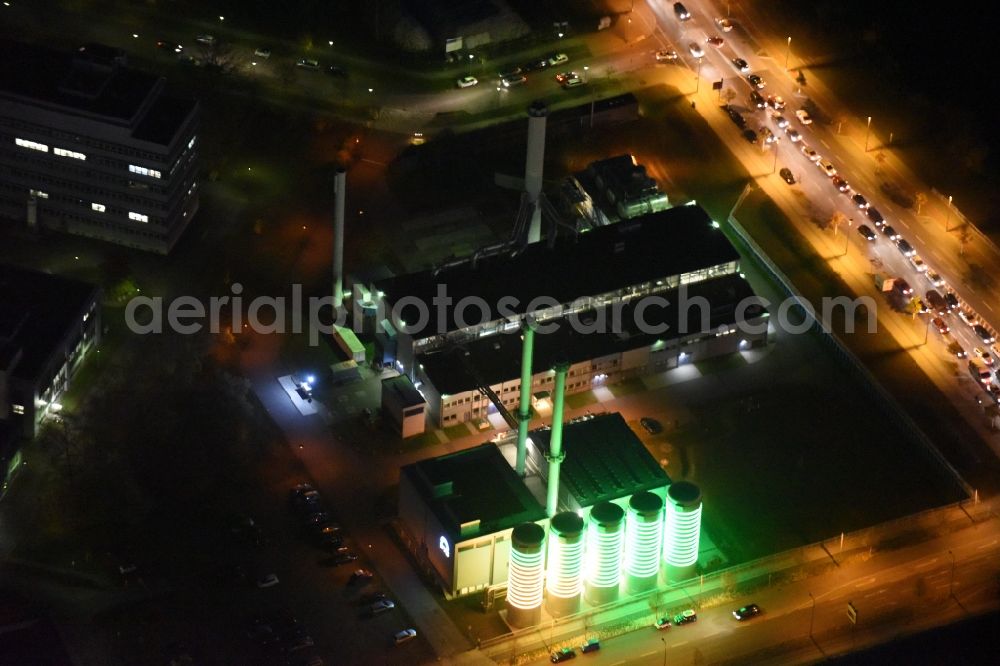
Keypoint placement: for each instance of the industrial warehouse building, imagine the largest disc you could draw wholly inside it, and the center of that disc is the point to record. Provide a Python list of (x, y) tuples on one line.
[(459, 510), (678, 255), (47, 325), (91, 147), (609, 190)]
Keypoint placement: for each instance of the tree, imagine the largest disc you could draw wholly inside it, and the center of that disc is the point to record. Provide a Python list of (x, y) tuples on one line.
[(921, 199), (728, 95), (836, 220)]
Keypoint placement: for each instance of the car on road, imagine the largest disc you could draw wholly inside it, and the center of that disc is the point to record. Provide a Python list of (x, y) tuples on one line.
[(380, 606), (892, 234), (512, 80), (593, 645), (956, 350), (666, 55), (769, 136), (336, 70), (724, 24), (781, 122), (968, 316), (867, 232), (206, 40), (803, 117), (934, 277), (686, 617), (793, 135), (827, 167), (741, 65), (841, 184), (983, 355), (573, 81), (681, 11), (918, 263), (756, 99), (299, 490), (168, 45), (467, 82), (811, 154), (735, 116), (513, 71), (651, 425), (308, 63), (984, 334), (262, 52), (562, 655), (860, 201), (786, 175), (558, 59), (535, 65), (776, 102), (267, 580), (715, 41), (951, 298), (344, 558), (875, 216), (662, 623), (940, 325), (696, 50), (756, 81), (401, 637), (904, 247), (360, 576), (901, 286), (746, 612)]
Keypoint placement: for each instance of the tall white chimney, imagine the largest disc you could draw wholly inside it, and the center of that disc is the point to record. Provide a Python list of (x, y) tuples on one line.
[(534, 164), (339, 187)]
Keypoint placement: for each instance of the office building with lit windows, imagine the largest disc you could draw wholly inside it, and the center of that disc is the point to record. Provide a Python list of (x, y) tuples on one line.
[(89, 146), (48, 325)]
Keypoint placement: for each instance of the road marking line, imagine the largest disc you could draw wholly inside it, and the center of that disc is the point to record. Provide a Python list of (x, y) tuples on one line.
[(680, 644), (926, 564), (648, 654), (991, 543), (990, 307), (917, 236), (823, 141)]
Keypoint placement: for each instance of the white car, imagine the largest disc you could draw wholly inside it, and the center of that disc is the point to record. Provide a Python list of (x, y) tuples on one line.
[(572, 82), (307, 63), (558, 59), (968, 317), (207, 40), (811, 154), (827, 167), (918, 263), (261, 52), (381, 606), (268, 580), (984, 355), (405, 635), (934, 278), (467, 82), (696, 50), (666, 55), (793, 135), (804, 117)]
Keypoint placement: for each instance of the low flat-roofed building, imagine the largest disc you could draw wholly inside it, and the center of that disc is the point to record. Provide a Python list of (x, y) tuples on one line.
[(616, 188), (48, 324), (403, 406), (449, 378), (459, 509), (89, 146)]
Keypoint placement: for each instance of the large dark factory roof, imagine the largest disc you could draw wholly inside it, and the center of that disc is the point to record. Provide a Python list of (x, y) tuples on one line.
[(671, 242), (604, 460), (497, 358)]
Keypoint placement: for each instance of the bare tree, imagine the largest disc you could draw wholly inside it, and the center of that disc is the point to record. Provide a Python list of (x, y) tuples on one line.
[(836, 220), (921, 199)]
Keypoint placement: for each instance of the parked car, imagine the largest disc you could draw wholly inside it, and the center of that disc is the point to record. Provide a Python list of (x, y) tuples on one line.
[(940, 325), (860, 201), (467, 82), (867, 232), (262, 52), (750, 136), (558, 59), (593, 645), (513, 80), (804, 117), (650, 425), (686, 617), (786, 175), (951, 298), (984, 334), (666, 55), (562, 655), (380, 606), (662, 623), (401, 637), (360, 576), (307, 63), (267, 580), (206, 40)]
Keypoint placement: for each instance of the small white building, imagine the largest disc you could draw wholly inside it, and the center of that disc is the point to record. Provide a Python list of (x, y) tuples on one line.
[(403, 405)]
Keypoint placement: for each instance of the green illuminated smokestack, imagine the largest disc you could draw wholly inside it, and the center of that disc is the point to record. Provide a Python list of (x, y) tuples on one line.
[(524, 411), (556, 454)]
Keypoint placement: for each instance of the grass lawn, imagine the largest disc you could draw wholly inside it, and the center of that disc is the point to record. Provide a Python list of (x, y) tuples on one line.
[(718, 364), (456, 431), (578, 400), (627, 387)]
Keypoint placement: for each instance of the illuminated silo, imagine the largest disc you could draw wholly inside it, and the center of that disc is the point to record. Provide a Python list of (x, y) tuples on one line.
[(564, 575), (643, 541), (683, 528), (525, 576), (605, 535)]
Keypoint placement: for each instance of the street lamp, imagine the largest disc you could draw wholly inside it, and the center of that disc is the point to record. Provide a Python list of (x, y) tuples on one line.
[(868, 132), (585, 70), (812, 615), (774, 167), (697, 77), (788, 50), (947, 219), (330, 42), (664, 641), (221, 19)]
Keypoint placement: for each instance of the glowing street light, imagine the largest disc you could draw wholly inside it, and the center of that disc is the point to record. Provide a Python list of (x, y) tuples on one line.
[(222, 18), (868, 132), (330, 42), (135, 35), (788, 50)]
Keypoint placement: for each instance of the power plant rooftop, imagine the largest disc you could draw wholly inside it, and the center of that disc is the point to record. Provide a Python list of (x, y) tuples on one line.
[(607, 259), (497, 357), (604, 460)]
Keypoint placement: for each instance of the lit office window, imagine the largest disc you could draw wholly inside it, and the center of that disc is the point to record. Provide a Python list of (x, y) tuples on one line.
[(24, 143), (39, 194), (18, 409), (143, 171), (62, 152), (138, 217), (98, 207)]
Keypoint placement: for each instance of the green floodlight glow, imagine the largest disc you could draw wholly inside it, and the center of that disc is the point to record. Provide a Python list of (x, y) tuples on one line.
[(525, 581), (643, 541), (683, 531), (604, 555), (565, 567)]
